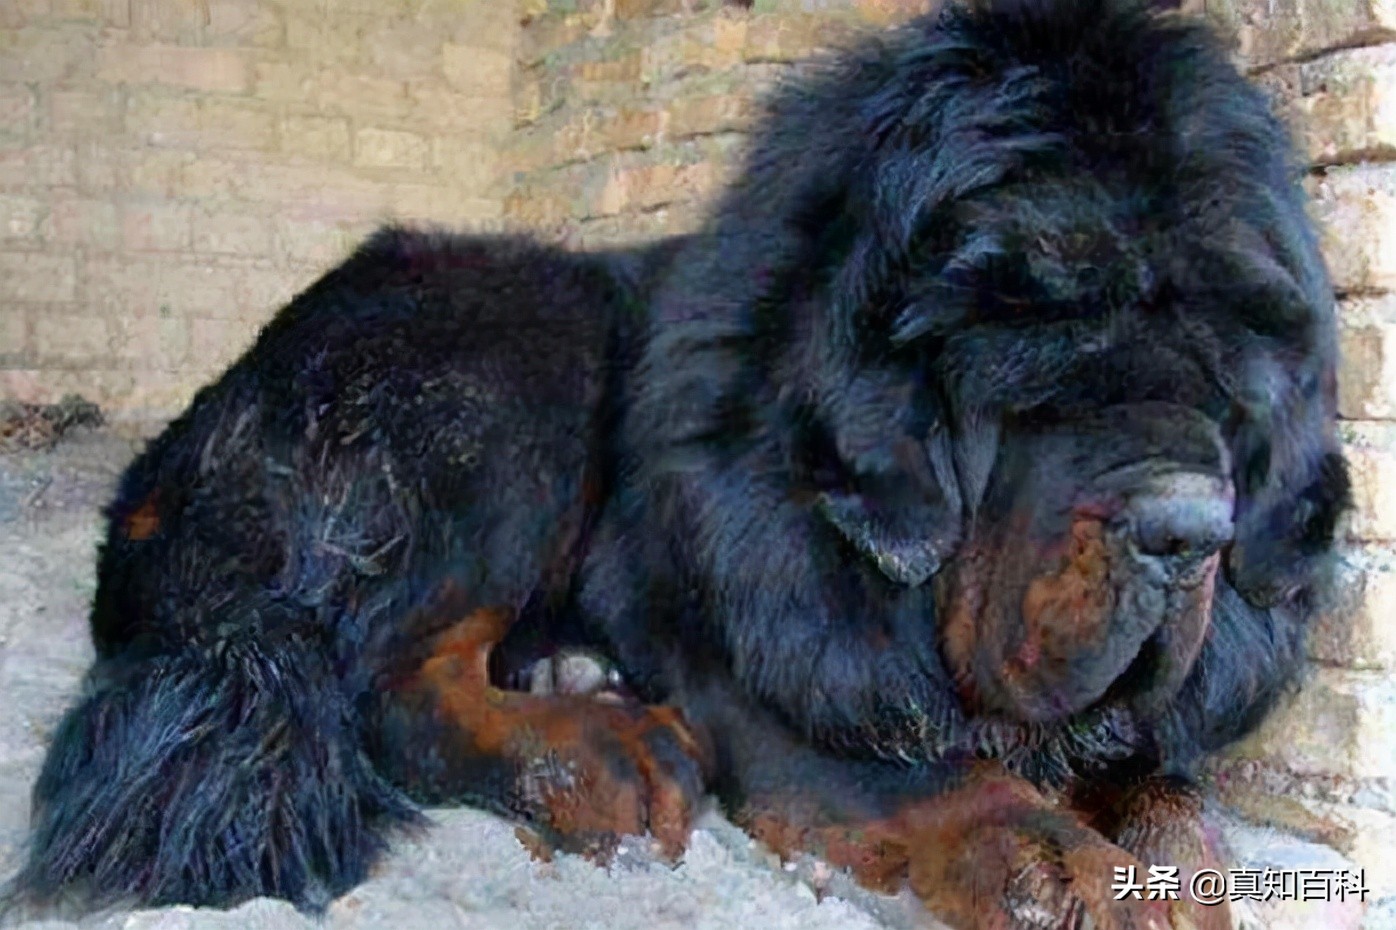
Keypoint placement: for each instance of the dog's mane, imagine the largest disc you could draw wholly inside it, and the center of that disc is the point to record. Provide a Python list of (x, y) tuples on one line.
[(846, 236), (849, 197)]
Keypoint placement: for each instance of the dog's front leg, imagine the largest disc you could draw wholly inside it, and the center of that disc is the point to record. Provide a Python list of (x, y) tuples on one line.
[(580, 770)]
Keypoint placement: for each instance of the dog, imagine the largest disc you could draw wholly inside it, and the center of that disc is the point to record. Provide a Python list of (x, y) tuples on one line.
[(938, 506)]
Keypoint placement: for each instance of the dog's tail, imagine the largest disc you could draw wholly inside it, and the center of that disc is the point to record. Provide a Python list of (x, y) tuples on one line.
[(207, 777)]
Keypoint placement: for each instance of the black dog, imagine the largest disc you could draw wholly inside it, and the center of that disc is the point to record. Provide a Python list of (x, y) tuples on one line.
[(977, 455)]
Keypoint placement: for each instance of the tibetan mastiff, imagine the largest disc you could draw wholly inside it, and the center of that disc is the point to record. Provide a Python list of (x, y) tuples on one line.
[(966, 478)]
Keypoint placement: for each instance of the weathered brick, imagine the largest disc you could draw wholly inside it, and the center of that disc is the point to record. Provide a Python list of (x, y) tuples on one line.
[(432, 203), (49, 385), (282, 82), (547, 36), (359, 94), (263, 289), (648, 186), (730, 34), (153, 393), (156, 227), (189, 122), (17, 13), (339, 89), (404, 47), (705, 46), (689, 116), (86, 113), (1364, 371), (1357, 631), (281, 185), (1356, 210), (599, 130), (531, 150), (151, 339), (390, 148), (790, 38), (621, 69), (788, 7), (1340, 723), (1342, 106), (145, 172), (106, 12), (158, 118), (71, 337), (121, 284), (21, 219), (1267, 31), (214, 343), (1367, 372), (536, 209), (321, 37), (467, 163), (17, 109), (209, 69), (221, 231), (47, 54), (637, 229), (632, 128), (33, 166), (14, 331), (635, 9), (315, 241), (481, 72), (487, 25), (890, 12), (324, 138), (214, 177), (243, 23), (1371, 452), (440, 109), (86, 223), (101, 167), (37, 278), (528, 99)]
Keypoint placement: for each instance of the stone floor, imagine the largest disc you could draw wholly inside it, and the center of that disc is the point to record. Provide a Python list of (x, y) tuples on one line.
[(469, 871)]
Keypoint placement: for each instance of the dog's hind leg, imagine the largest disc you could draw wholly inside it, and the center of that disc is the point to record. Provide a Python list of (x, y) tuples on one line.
[(580, 770)]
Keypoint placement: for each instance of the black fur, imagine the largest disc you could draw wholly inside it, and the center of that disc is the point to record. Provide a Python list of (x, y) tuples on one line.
[(955, 251)]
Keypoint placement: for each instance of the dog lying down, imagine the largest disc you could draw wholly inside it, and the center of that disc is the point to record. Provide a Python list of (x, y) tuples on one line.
[(938, 505)]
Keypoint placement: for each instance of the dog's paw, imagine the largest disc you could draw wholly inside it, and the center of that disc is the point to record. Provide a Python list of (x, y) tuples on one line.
[(1039, 869), (1163, 822), (603, 771), (582, 768)]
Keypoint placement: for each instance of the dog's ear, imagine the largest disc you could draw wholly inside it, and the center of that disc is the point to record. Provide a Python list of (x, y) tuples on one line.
[(907, 538), (1291, 479), (886, 479)]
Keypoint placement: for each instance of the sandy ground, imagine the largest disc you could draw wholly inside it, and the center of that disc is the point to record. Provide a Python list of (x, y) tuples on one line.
[(469, 871)]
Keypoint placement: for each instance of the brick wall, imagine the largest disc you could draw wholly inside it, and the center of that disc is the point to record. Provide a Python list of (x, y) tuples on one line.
[(173, 170), (1327, 767), (628, 113)]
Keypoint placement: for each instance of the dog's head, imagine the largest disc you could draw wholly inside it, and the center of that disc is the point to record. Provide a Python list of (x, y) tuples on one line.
[(1014, 340)]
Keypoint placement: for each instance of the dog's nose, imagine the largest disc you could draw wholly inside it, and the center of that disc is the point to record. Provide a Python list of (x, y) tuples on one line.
[(1182, 517)]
